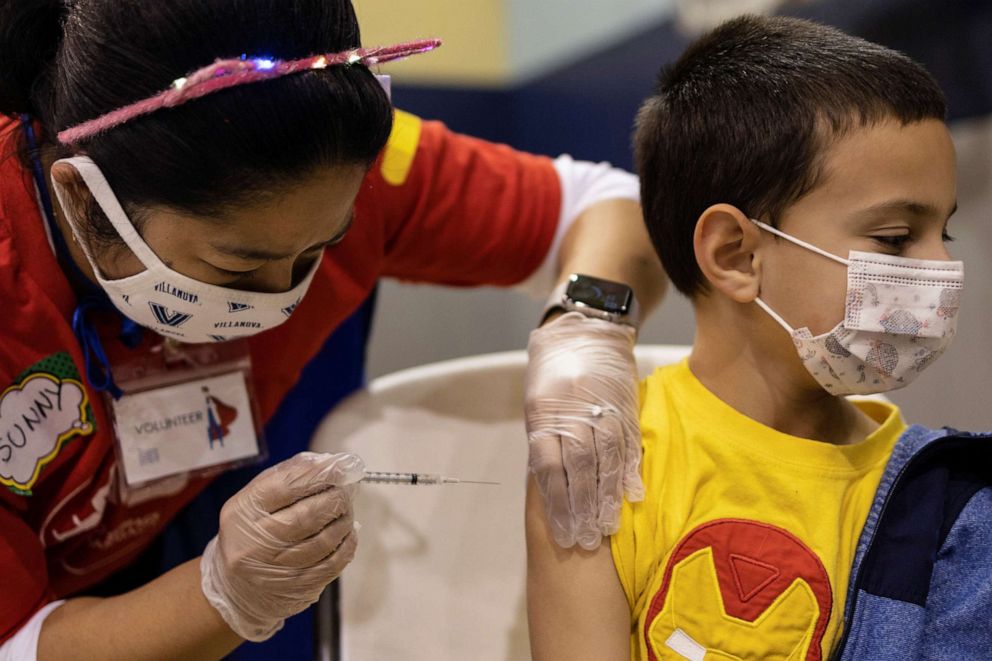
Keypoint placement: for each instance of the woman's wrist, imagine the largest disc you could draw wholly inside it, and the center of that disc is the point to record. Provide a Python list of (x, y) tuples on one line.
[(610, 241)]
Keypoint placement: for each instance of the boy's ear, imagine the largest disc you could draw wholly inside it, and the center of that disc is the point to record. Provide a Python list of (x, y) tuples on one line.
[(725, 243)]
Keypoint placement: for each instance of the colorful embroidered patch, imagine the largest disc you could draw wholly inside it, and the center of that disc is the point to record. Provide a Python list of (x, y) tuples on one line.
[(45, 407)]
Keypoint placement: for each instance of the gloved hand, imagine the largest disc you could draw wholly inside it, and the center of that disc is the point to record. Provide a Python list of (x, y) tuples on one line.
[(286, 535), (582, 425)]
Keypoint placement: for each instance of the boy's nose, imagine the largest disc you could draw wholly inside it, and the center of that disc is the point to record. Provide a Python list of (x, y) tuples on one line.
[(932, 248), (942, 253)]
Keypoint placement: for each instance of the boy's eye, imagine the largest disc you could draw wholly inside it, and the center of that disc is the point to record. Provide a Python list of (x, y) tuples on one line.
[(895, 241), (898, 241)]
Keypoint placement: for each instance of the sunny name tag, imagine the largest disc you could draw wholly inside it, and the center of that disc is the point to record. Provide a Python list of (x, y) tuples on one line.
[(186, 427)]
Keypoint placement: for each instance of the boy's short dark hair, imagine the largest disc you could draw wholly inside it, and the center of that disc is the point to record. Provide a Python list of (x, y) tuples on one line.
[(744, 115)]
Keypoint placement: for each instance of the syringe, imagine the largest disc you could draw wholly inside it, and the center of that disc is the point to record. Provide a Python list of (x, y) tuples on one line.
[(378, 477)]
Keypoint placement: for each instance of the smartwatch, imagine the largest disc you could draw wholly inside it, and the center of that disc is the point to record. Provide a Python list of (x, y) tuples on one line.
[(594, 297)]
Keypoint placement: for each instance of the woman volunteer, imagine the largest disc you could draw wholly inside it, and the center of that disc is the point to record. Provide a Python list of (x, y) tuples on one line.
[(193, 168)]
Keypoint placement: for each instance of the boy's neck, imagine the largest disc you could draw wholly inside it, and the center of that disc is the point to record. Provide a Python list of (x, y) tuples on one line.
[(765, 387)]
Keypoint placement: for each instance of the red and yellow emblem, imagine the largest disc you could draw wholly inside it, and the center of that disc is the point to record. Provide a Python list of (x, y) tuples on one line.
[(737, 589)]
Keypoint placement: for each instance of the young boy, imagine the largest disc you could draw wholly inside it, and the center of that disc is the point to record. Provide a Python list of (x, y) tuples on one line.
[(797, 184)]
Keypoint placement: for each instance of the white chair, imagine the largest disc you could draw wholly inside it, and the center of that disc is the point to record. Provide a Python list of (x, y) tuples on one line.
[(440, 570)]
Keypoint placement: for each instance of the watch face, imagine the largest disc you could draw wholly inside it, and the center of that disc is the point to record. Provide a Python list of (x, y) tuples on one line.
[(605, 295)]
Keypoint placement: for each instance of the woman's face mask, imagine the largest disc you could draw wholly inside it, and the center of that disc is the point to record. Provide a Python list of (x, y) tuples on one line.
[(176, 305), (900, 316)]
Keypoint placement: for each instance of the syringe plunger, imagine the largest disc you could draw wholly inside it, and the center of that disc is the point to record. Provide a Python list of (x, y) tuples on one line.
[(380, 477)]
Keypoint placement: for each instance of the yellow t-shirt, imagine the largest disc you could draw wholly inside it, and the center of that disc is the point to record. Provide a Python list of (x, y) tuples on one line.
[(743, 546)]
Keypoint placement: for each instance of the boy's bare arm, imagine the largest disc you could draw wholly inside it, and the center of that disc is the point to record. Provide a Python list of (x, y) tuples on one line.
[(576, 607)]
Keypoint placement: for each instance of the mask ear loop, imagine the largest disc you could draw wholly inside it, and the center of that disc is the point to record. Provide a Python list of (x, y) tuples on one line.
[(800, 242), (774, 315), (100, 189)]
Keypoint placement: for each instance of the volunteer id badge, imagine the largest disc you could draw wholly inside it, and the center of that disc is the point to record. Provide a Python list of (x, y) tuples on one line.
[(187, 420)]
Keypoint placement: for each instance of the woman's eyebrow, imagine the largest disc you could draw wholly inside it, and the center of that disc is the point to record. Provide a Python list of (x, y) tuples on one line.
[(261, 254), (249, 253), (344, 230)]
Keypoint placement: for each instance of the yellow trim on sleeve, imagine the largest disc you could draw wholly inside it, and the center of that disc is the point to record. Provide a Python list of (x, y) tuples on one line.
[(401, 148)]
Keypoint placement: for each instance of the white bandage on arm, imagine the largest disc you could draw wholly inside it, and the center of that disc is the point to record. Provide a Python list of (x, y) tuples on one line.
[(583, 184), (23, 645)]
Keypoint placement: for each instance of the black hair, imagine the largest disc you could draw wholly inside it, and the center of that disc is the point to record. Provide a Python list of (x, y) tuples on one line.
[(68, 62), (745, 114)]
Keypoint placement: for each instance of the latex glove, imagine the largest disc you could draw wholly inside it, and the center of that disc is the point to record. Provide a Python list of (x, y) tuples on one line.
[(286, 535), (582, 425)]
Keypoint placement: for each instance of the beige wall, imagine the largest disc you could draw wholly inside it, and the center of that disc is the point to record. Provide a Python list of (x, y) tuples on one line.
[(496, 43), (473, 31)]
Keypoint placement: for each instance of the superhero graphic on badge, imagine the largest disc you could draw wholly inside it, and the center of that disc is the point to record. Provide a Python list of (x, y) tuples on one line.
[(220, 416)]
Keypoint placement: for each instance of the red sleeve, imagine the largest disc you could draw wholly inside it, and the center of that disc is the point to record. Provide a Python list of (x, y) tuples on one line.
[(25, 585), (461, 211)]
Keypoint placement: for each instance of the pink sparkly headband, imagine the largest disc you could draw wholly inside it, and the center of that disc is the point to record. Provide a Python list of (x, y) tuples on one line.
[(238, 71)]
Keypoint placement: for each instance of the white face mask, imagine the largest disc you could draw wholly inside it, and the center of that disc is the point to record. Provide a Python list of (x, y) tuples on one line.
[(168, 302), (900, 316)]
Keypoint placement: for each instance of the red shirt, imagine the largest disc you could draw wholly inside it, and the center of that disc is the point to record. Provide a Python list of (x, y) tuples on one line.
[(436, 207)]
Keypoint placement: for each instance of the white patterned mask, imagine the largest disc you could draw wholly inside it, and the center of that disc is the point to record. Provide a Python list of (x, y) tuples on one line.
[(169, 302), (900, 316)]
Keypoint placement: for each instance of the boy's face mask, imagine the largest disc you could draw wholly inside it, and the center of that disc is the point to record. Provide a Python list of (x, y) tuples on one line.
[(900, 316), (167, 301)]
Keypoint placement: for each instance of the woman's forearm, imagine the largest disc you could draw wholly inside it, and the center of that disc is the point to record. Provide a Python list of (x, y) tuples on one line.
[(609, 240), (169, 618)]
